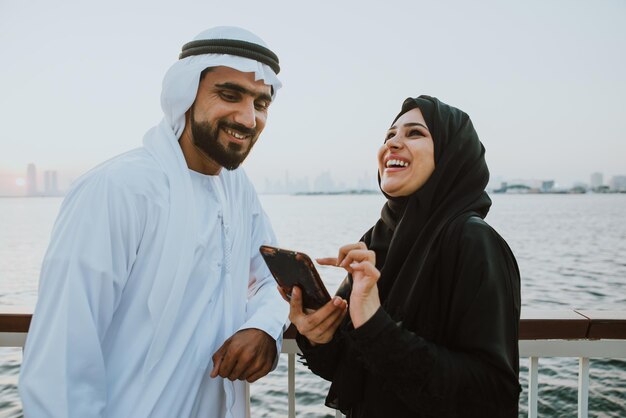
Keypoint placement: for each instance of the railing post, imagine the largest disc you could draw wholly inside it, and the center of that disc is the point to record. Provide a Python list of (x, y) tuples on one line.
[(533, 386), (583, 387), (291, 383), (247, 394)]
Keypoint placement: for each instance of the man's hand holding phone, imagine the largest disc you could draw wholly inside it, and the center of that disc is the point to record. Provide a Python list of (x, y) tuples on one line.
[(317, 326)]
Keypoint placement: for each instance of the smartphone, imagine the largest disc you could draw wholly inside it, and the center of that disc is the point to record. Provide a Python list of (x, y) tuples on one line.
[(293, 268)]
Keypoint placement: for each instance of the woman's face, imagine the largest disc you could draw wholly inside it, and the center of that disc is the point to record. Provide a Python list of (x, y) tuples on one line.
[(407, 158)]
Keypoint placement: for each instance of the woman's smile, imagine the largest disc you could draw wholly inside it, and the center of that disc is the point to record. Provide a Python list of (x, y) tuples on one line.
[(394, 163)]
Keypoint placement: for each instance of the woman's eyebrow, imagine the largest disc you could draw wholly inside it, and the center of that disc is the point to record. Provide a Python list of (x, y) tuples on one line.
[(408, 125)]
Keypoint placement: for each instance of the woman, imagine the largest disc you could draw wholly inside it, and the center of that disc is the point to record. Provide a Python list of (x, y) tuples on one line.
[(433, 290)]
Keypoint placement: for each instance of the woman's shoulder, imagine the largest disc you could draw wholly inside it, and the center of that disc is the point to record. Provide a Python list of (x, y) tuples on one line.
[(476, 234), (480, 241), (471, 228), (477, 226)]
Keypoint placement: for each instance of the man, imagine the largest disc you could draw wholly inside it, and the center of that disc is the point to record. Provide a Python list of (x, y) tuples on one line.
[(154, 300)]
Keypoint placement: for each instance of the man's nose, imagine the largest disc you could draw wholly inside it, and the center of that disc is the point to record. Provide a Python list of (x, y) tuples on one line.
[(246, 115)]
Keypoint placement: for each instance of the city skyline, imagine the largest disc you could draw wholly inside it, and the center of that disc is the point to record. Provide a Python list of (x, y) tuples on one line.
[(33, 183), (29, 183), (541, 81)]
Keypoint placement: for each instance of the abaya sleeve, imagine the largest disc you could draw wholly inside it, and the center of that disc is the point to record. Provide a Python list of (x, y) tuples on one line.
[(475, 369), (322, 359)]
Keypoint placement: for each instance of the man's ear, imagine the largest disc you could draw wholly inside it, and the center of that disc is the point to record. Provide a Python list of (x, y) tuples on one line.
[(187, 122), (188, 114)]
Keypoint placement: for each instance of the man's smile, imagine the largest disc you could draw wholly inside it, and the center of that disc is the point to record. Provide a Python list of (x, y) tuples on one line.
[(236, 136)]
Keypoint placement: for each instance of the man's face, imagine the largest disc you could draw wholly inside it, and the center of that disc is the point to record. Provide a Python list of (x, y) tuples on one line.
[(228, 115)]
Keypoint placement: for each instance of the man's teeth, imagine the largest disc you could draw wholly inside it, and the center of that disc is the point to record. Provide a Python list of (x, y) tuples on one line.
[(397, 163), (235, 134)]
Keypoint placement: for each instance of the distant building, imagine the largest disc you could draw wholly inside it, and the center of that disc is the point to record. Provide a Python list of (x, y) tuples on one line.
[(618, 183), (51, 186), (578, 188), (31, 180), (324, 183), (597, 180), (526, 186), (367, 182), (536, 186), (291, 186), (300, 185), (286, 185), (547, 186)]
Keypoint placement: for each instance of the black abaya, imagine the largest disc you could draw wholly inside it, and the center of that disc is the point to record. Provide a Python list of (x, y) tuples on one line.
[(444, 342)]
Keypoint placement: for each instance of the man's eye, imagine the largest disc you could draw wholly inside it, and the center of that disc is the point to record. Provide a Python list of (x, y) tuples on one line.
[(228, 96), (262, 105)]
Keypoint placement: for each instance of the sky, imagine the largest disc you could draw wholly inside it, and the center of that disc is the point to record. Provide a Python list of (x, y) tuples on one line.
[(544, 81)]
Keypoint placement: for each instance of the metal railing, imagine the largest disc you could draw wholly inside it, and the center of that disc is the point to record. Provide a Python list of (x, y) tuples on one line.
[(581, 334), (568, 333)]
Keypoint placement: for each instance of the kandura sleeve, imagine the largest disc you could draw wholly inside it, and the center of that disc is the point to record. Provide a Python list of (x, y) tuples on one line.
[(266, 310), (478, 370), (93, 247)]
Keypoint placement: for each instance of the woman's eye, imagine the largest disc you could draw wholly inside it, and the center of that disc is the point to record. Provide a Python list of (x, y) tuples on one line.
[(415, 132), (389, 136)]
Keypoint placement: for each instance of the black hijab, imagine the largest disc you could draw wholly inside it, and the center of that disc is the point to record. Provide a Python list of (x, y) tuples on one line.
[(408, 237)]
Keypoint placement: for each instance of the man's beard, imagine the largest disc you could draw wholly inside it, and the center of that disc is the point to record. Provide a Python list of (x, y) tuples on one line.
[(205, 138)]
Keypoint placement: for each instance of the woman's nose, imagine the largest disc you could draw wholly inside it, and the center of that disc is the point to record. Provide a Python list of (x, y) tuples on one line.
[(394, 143)]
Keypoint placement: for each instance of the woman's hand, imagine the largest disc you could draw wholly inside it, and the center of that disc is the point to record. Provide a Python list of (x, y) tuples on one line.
[(317, 326), (361, 264)]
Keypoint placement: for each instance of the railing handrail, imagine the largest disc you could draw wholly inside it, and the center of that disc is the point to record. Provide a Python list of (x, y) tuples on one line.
[(542, 333), (567, 324)]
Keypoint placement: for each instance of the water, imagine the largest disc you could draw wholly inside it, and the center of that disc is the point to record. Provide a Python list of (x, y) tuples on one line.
[(571, 250)]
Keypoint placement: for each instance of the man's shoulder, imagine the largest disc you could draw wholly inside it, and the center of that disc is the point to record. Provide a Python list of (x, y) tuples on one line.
[(135, 172)]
